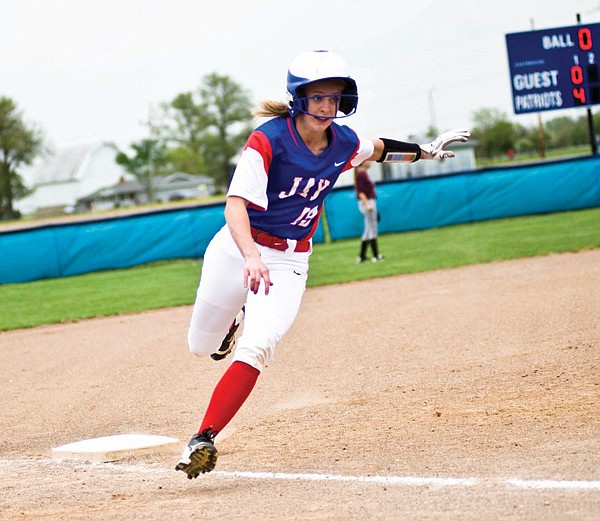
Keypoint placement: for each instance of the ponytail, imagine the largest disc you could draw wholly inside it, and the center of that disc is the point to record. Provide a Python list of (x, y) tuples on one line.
[(270, 109)]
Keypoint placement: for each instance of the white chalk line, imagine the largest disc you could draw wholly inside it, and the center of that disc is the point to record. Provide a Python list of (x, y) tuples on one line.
[(554, 484), (411, 481), (381, 480)]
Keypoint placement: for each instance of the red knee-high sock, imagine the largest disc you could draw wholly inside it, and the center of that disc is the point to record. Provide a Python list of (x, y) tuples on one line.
[(231, 392)]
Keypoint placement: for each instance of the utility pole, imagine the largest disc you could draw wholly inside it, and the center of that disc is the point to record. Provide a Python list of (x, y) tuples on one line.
[(150, 158), (432, 117)]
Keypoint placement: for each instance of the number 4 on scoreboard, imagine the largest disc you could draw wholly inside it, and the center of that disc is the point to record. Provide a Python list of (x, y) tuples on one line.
[(579, 95)]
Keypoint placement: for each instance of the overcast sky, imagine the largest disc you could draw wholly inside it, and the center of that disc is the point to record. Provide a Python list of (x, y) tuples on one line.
[(88, 70)]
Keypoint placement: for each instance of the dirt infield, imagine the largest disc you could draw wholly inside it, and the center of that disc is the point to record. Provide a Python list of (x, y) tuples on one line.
[(469, 394)]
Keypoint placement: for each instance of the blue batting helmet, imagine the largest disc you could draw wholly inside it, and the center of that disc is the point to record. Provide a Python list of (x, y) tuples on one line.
[(314, 66)]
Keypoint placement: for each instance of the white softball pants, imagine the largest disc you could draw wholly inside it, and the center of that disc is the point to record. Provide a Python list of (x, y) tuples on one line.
[(370, 217), (221, 295)]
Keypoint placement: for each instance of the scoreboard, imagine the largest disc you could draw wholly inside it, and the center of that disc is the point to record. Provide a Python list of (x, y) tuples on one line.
[(554, 68)]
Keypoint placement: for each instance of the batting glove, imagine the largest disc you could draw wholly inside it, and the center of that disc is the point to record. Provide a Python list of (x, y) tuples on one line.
[(436, 148)]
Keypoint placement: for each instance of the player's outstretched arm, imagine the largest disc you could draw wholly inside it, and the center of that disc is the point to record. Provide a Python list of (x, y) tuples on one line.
[(390, 150)]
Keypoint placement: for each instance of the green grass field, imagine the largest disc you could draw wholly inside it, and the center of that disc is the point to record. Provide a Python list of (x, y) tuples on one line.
[(173, 283)]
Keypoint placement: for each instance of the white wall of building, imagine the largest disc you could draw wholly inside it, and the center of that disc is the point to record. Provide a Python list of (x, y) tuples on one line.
[(68, 175)]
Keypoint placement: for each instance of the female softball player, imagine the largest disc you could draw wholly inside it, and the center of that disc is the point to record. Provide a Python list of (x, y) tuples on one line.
[(258, 262)]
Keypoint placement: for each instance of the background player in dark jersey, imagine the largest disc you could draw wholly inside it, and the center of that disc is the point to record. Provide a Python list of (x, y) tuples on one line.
[(367, 205), (258, 262)]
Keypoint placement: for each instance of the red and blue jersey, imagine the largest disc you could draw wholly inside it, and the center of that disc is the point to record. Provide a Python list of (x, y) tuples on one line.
[(285, 183)]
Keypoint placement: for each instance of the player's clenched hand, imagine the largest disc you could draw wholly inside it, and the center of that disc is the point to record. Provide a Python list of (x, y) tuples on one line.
[(255, 271), (436, 149)]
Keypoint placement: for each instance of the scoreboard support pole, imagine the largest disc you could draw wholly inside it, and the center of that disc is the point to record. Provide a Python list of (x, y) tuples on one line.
[(592, 132)]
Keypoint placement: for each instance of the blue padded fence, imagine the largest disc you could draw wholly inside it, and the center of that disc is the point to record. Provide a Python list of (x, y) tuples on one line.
[(71, 249), (468, 197), (64, 250)]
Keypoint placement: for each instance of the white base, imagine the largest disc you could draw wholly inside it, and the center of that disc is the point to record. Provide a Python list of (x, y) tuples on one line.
[(112, 448)]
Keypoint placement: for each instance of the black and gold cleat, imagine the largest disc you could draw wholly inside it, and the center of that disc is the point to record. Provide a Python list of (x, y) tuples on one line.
[(200, 455)]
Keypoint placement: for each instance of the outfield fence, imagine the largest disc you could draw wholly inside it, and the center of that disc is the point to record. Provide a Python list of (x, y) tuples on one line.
[(61, 250)]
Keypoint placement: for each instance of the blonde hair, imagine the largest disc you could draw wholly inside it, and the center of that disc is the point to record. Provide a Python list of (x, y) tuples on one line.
[(270, 109)]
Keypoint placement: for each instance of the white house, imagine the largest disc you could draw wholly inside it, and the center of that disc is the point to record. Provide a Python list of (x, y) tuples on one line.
[(174, 187), (70, 174)]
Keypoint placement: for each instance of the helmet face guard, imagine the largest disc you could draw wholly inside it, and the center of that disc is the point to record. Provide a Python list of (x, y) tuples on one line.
[(315, 66), (346, 105)]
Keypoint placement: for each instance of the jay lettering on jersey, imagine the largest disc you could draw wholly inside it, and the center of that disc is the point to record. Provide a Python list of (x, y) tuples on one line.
[(308, 184)]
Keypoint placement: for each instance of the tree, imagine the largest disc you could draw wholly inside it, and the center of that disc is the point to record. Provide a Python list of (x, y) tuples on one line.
[(527, 139), (185, 159), (210, 125), (183, 127), (228, 109), (564, 131), (495, 133), (20, 144), (148, 160)]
